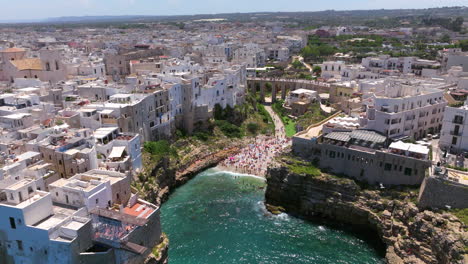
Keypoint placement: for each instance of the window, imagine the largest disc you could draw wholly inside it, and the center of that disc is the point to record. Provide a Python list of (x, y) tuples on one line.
[(12, 223), (97, 200), (454, 140), (47, 66), (20, 244), (458, 120), (408, 171), (388, 167), (57, 65)]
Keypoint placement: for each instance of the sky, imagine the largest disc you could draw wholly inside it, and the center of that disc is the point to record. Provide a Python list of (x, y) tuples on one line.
[(37, 9)]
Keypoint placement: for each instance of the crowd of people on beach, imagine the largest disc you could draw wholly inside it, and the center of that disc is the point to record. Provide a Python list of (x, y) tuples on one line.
[(254, 159)]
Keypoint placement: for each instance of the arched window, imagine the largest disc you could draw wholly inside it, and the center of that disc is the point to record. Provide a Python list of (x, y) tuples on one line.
[(47, 66), (56, 65)]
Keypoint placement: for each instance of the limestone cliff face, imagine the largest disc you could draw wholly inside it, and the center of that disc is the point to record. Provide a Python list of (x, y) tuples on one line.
[(161, 178), (411, 235)]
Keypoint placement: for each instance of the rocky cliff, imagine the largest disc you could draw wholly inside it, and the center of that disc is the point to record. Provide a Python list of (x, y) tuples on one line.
[(410, 235), (161, 178)]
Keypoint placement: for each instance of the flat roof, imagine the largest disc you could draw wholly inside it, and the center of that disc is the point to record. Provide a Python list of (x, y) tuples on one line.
[(120, 96), (16, 116), (104, 131), (300, 91)]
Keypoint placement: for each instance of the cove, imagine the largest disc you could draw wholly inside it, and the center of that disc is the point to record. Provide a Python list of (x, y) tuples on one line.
[(219, 217)]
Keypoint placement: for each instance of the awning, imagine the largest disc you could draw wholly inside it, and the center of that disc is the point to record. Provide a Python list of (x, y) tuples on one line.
[(107, 112), (400, 146), (117, 152), (419, 149)]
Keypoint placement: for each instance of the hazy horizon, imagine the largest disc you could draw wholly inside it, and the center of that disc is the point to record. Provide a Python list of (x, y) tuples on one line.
[(43, 9)]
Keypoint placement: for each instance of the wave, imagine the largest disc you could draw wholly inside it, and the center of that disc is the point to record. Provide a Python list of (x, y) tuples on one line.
[(281, 217), (216, 172)]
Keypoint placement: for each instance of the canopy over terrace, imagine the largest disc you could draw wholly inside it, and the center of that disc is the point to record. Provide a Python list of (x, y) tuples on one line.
[(116, 152), (410, 150)]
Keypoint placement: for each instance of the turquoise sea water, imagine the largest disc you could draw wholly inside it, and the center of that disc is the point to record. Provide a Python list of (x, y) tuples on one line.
[(219, 217)]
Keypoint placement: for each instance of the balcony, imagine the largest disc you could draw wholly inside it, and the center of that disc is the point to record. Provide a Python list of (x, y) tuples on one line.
[(458, 121), (456, 133), (109, 121)]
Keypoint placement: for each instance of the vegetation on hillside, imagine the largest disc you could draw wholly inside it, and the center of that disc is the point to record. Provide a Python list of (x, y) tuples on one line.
[(314, 115), (159, 149), (462, 214), (289, 123)]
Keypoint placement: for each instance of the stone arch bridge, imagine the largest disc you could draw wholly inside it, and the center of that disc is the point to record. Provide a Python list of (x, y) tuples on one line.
[(283, 86)]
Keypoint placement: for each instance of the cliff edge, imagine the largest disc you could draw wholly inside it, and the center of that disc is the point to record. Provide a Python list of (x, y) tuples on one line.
[(411, 235)]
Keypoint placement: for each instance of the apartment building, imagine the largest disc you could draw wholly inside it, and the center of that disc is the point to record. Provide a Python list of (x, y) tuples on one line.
[(252, 55), (332, 69), (70, 151), (118, 151), (400, 108), (145, 114), (454, 133), (89, 218), (454, 57), (405, 65)]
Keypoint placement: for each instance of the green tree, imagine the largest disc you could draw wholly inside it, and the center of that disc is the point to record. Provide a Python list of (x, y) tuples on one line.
[(252, 128), (218, 112), (159, 149), (445, 38), (317, 70), (296, 64), (463, 44)]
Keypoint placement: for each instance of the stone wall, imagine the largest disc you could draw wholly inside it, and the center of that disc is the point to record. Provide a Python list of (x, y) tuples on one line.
[(372, 167), (438, 193)]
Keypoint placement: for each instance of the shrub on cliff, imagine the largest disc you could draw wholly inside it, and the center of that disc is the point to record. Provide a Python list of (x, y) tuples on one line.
[(252, 128), (228, 129), (159, 149)]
